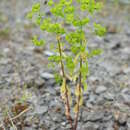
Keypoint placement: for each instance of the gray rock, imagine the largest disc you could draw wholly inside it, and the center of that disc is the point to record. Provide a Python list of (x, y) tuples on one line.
[(126, 70), (125, 95), (128, 124), (84, 115), (122, 128), (40, 110), (126, 50), (100, 89), (100, 100), (39, 82), (122, 118), (28, 128), (56, 117), (94, 116), (108, 96), (92, 99), (51, 90), (48, 53), (90, 126), (124, 1), (108, 117), (108, 125), (47, 75), (109, 128)]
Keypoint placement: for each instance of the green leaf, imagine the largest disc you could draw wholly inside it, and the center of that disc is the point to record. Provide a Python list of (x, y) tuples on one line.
[(85, 86), (29, 15), (50, 2), (99, 30), (36, 42), (69, 9), (58, 78), (38, 20), (57, 10), (45, 24), (69, 18), (70, 64), (36, 8), (95, 53), (98, 5), (85, 21), (55, 58)]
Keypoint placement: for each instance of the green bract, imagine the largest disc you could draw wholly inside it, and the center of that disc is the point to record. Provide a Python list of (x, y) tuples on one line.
[(99, 30), (36, 8), (37, 42), (73, 65)]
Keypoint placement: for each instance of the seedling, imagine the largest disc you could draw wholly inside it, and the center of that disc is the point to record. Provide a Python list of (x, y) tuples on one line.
[(73, 65)]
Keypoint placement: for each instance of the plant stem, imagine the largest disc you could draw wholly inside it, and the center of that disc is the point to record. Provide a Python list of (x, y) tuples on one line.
[(67, 105), (78, 101), (80, 87)]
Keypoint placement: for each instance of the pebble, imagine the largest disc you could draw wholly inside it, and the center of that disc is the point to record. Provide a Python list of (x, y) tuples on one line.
[(122, 118), (126, 98), (40, 110), (108, 96), (47, 75), (28, 128), (94, 116), (90, 126), (39, 82), (100, 89), (48, 53), (128, 124)]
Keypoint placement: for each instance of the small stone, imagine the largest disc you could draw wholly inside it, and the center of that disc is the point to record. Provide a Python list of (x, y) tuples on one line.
[(126, 70), (126, 50), (40, 110), (51, 90), (28, 128), (63, 123), (100, 100), (90, 126), (56, 117), (116, 46), (94, 116), (48, 53), (128, 124), (92, 99), (84, 115), (109, 96), (107, 118), (11, 128), (128, 33), (125, 96), (100, 89), (47, 75), (122, 118), (122, 128), (39, 82), (108, 125), (110, 128)]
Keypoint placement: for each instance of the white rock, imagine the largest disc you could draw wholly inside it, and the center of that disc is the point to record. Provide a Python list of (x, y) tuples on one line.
[(100, 89), (47, 75)]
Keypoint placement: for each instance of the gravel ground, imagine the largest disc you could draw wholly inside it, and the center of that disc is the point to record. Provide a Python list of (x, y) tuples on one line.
[(25, 78)]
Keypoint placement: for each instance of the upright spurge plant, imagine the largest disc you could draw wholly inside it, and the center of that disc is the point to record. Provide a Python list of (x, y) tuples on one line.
[(73, 65)]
